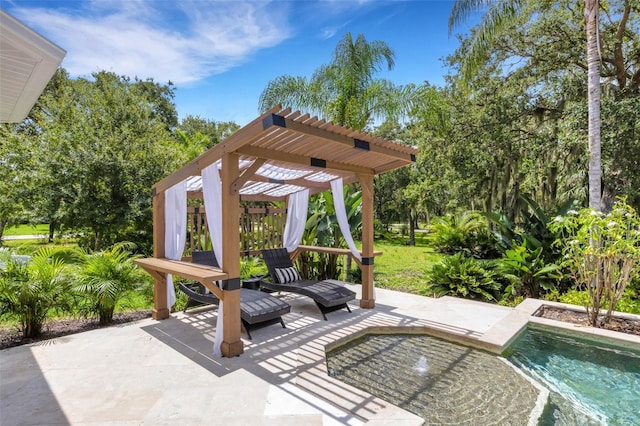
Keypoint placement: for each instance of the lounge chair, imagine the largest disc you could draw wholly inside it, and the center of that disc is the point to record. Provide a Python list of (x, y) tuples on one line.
[(257, 309), (327, 295)]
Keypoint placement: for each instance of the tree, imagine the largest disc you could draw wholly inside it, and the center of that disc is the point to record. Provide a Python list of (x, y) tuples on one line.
[(14, 163), (496, 19), (345, 90), (214, 131), (101, 144)]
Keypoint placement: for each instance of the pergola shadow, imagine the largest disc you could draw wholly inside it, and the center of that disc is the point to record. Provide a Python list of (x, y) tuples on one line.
[(293, 359)]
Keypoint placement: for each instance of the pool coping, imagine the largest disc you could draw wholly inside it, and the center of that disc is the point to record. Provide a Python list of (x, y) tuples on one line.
[(312, 366)]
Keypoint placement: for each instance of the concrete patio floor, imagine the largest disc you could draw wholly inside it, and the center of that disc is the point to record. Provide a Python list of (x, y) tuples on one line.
[(163, 372)]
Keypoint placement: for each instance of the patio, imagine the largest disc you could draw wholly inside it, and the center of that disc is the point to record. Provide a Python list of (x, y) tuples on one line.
[(163, 372)]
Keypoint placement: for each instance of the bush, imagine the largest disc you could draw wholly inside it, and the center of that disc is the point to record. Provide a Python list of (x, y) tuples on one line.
[(627, 303), (527, 271), (465, 232), (603, 253), (106, 277), (465, 277), (30, 290)]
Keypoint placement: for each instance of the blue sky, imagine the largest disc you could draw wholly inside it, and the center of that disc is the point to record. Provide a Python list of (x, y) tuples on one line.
[(220, 55)]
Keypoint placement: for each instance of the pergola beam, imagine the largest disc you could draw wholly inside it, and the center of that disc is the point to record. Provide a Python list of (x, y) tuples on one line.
[(298, 127), (302, 160)]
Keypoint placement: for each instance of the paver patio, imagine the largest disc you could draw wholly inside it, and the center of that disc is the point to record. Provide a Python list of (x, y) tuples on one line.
[(163, 372)]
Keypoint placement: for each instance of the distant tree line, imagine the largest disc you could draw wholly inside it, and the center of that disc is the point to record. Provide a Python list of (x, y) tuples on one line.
[(515, 129), (85, 158)]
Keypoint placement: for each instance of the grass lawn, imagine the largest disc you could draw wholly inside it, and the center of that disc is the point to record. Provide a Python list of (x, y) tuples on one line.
[(41, 229), (402, 267)]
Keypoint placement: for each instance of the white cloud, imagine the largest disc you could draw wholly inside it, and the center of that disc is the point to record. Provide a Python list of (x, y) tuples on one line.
[(183, 41)]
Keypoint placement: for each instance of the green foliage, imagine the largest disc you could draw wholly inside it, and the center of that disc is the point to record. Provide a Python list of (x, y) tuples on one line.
[(465, 277), (627, 302), (98, 145), (322, 230), (464, 232), (30, 289), (531, 228), (345, 90), (212, 131), (527, 271), (602, 252), (106, 276)]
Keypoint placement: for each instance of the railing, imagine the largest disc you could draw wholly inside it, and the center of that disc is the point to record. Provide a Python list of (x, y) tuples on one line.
[(259, 228)]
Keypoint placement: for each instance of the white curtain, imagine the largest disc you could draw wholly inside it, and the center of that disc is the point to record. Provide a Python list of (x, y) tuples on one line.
[(212, 194), (341, 213), (297, 207), (175, 229)]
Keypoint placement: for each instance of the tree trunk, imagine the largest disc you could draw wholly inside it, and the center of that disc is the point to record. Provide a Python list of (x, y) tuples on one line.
[(52, 230), (3, 224), (593, 62), (412, 231)]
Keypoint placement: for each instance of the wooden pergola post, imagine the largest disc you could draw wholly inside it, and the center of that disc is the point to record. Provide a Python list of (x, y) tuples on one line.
[(231, 342), (160, 308), (368, 299)]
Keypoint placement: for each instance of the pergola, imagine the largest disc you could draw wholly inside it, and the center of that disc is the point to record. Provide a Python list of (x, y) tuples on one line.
[(278, 154)]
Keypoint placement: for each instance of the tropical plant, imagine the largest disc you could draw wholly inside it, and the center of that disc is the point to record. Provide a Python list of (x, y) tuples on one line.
[(496, 20), (602, 252), (322, 230), (345, 91), (531, 229), (464, 232), (527, 271), (106, 277), (31, 289), (464, 277)]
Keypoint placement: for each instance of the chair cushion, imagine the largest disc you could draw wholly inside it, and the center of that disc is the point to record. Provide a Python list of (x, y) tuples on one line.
[(287, 275)]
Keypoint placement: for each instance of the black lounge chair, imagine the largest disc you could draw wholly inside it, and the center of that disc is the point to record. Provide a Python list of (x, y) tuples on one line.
[(257, 309), (327, 295)]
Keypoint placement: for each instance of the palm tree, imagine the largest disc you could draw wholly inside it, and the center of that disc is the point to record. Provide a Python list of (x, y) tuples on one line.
[(345, 91), (494, 21), (32, 287), (107, 276)]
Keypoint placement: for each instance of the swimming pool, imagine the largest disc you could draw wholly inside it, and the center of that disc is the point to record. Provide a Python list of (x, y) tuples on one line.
[(590, 382), (440, 381), (443, 382)]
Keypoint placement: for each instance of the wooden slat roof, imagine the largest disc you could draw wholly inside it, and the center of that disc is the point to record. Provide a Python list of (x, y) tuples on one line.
[(283, 151)]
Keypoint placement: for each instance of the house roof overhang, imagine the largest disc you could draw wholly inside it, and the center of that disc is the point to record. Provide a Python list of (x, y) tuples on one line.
[(282, 152), (27, 63)]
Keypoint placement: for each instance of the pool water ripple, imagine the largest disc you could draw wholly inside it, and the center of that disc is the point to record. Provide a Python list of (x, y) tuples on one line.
[(443, 382), (591, 383)]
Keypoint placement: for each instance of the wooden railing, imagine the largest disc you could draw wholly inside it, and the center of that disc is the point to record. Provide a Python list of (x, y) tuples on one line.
[(259, 228)]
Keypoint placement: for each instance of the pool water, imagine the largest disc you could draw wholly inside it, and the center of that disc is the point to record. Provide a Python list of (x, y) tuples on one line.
[(590, 383), (441, 381)]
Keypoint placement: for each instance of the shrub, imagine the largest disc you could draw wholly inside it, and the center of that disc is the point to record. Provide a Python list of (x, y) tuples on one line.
[(531, 229), (30, 290), (106, 277), (527, 271), (465, 232), (581, 297), (465, 277), (603, 253)]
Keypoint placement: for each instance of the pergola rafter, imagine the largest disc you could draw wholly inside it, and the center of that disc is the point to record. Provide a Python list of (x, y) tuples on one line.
[(277, 154)]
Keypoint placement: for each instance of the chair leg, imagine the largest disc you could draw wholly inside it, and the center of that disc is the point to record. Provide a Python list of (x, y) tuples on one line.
[(348, 308), (321, 310), (282, 322), (246, 329)]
